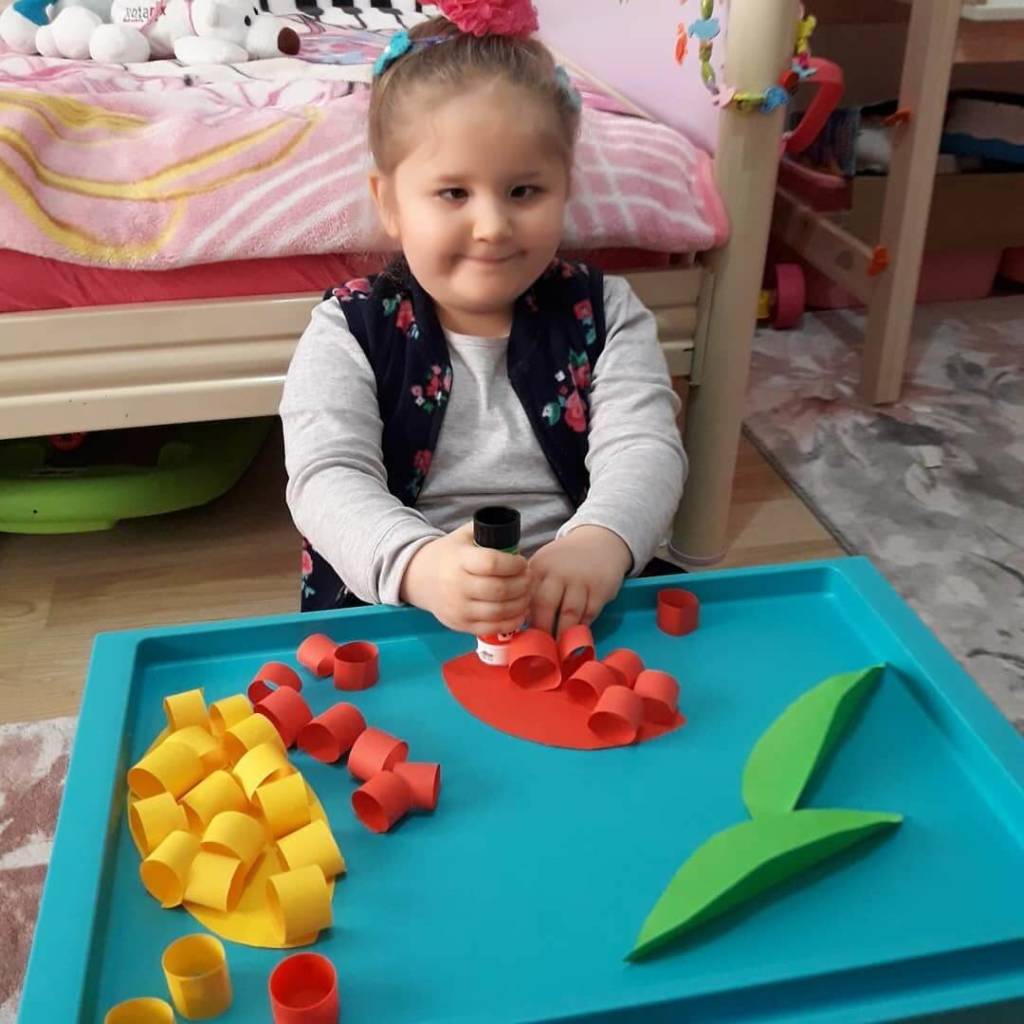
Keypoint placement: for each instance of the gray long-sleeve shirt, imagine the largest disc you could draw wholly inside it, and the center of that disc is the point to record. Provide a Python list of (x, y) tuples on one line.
[(486, 453)]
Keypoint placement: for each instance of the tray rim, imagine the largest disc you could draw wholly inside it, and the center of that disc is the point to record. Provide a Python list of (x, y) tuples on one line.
[(68, 916)]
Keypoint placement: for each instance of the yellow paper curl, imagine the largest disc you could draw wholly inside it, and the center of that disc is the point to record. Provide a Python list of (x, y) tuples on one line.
[(247, 734), (185, 709), (151, 820), (301, 903), (166, 871), (196, 969), (228, 712)]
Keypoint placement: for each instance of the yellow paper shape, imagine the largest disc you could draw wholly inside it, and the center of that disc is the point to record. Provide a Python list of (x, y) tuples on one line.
[(196, 969), (265, 763), (150, 821), (185, 709), (215, 881), (228, 712), (284, 805), (252, 921), (301, 903), (165, 872), (140, 1011), (232, 834), (217, 792), (209, 749), (248, 734), (171, 767), (314, 844)]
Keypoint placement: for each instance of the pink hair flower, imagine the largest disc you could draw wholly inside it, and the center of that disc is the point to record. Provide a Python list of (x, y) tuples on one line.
[(491, 17)]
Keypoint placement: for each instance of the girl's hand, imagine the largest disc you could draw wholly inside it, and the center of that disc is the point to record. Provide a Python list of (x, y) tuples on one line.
[(575, 576), (467, 588)]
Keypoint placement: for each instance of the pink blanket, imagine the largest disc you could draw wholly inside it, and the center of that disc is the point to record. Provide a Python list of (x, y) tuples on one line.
[(155, 166)]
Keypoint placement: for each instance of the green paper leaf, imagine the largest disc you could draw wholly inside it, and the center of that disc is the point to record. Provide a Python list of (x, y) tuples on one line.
[(745, 860), (800, 740)]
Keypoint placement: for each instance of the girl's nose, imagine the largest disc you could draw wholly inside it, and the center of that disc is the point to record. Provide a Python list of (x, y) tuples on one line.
[(491, 222)]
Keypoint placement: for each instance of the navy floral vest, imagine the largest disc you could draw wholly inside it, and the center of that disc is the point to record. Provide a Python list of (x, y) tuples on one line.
[(558, 333)]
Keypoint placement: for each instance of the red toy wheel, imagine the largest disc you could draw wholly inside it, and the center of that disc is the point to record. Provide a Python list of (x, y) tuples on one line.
[(790, 295), (67, 442)]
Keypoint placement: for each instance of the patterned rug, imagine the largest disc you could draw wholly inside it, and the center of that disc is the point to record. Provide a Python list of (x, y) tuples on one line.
[(33, 763), (930, 489)]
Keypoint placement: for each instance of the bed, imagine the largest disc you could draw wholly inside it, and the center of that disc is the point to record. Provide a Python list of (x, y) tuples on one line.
[(94, 367)]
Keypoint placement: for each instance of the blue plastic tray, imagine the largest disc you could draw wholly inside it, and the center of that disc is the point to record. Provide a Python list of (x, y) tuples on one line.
[(517, 900)]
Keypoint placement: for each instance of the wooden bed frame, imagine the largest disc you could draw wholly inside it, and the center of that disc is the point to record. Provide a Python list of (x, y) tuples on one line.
[(983, 212), (125, 366)]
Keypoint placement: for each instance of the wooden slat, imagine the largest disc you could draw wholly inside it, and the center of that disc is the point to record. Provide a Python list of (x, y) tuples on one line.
[(153, 325), (836, 253), (676, 324), (675, 287), (679, 356), (177, 362), (924, 84)]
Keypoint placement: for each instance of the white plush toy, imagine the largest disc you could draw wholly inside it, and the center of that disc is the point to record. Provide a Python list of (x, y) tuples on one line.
[(232, 31), (193, 31), (26, 26)]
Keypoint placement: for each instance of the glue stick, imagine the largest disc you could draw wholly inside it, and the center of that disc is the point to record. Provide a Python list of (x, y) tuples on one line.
[(496, 527)]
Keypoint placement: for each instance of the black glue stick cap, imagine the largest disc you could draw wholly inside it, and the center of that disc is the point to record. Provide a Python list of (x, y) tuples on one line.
[(496, 527)]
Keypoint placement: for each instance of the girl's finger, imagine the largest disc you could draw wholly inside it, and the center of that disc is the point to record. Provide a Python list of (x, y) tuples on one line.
[(573, 608), (547, 597)]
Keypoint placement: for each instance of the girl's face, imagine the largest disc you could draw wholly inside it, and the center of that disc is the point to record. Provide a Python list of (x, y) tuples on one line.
[(477, 202)]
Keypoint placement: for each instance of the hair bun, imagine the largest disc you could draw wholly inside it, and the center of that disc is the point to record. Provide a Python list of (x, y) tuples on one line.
[(491, 17)]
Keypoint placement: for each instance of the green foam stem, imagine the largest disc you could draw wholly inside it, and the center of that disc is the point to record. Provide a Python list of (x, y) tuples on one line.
[(741, 862), (799, 741)]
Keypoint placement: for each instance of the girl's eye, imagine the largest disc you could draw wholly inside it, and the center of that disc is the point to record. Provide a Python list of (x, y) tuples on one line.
[(453, 195), (524, 191)]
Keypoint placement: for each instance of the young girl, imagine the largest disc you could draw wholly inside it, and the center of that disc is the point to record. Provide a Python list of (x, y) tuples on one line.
[(479, 369)]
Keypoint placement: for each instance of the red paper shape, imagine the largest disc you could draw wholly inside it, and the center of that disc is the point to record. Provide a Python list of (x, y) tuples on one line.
[(304, 990), (549, 717), (626, 664), (316, 653), (660, 693), (375, 751), (617, 715), (533, 661), (330, 736), (382, 801), (423, 780), (271, 677), (678, 612), (575, 648), (287, 712), (590, 680), (356, 666)]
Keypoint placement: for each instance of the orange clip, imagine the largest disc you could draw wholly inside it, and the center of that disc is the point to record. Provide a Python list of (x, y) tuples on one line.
[(879, 260), (681, 44), (901, 116)]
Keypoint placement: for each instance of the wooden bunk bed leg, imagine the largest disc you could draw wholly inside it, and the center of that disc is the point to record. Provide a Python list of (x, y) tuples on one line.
[(931, 42), (760, 38)]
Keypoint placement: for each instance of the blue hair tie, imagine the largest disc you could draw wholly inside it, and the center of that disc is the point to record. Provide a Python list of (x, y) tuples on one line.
[(565, 85), (399, 45)]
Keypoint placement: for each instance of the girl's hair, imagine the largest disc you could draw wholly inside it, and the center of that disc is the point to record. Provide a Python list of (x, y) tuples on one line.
[(444, 57)]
